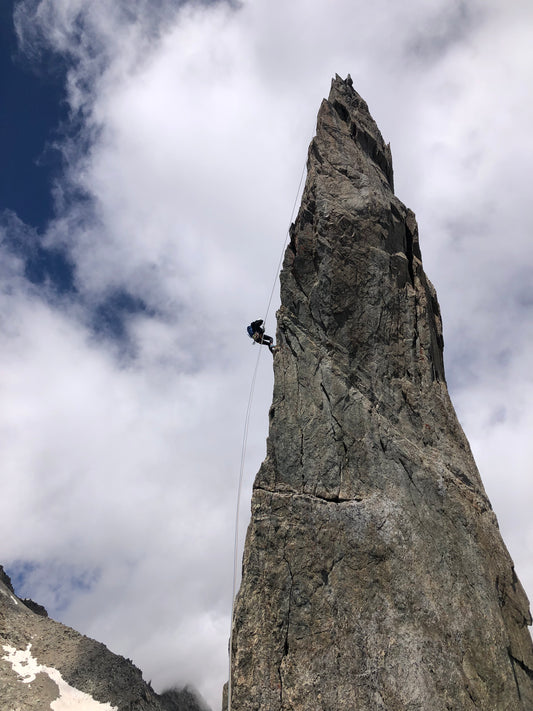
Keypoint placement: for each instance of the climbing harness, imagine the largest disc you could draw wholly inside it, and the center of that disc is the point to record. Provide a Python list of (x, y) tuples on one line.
[(245, 441)]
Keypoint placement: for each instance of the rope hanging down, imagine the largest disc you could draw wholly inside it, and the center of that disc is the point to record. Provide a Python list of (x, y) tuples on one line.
[(245, 439)]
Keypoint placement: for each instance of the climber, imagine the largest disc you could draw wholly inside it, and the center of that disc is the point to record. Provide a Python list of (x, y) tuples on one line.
[(257, 332)]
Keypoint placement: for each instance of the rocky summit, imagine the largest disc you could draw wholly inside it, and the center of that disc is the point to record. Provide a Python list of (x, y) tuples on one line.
[(374, 573), (46, 665)]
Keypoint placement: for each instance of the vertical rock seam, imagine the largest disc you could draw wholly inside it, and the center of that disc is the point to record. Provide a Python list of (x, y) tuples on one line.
[(374, 573)]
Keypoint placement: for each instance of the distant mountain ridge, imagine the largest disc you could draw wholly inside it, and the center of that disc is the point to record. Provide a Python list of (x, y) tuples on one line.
[(42, 661)]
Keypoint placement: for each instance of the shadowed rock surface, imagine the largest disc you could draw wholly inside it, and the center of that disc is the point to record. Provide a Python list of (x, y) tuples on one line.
[(83, 663), (374, 573), (182, 700)]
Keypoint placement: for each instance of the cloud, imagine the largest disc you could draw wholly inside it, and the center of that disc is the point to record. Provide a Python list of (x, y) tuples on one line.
[(190, 126)]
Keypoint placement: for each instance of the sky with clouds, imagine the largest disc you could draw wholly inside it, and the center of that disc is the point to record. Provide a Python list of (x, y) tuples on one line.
[(164, 143)]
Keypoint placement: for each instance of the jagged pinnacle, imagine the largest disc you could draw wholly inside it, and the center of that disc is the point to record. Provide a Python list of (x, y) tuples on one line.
[(374, 574)]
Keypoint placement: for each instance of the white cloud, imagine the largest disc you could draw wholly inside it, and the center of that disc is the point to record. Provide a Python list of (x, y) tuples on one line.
[(195, 125)]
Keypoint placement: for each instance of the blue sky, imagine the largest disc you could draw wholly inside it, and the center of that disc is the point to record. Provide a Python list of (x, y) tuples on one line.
[(33, 108), (151, 155), (33, 113)]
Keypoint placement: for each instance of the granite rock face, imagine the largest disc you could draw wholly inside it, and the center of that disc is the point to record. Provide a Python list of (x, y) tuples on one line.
[(39, 644), (374, 573)]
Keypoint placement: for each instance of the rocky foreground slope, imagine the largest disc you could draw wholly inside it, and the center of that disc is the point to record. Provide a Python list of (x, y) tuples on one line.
[(374, 574), (46, 665)]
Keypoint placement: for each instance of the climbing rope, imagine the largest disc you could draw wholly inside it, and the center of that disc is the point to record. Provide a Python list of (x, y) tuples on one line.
[(245, 438)]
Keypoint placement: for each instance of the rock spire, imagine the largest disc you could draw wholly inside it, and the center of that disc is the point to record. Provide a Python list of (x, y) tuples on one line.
[(374, 574)]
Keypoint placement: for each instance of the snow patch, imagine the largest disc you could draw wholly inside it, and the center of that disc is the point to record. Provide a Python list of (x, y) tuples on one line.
[(8, 594), (70, 699)]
